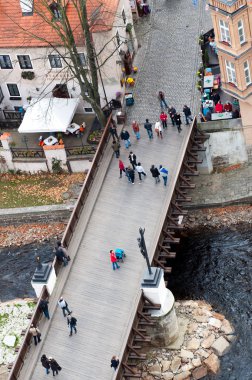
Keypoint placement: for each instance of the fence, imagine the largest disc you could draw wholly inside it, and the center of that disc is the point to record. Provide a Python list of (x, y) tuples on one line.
[(80, 151), (25, 346), (27, 153)]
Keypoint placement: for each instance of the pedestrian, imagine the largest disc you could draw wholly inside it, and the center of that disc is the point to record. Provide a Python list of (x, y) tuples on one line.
[(161, 97), (113, 260), (172, 113), (140, 171), (178, 121), (113, 130), (163, 119), (116, 148), (121, 168), (136, 129), (45, 363), (71, 322), (36, 334), (164, 173), (132, 160), (159, 129), (148, 127), (130, 174), (114, 362), (188, 114), (125, 136), (43, 305), (64, 306), (54, 366), (155, 173), (61, 254)]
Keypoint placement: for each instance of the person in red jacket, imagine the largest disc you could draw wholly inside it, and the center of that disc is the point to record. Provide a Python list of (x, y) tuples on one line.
[(135, 127), (228, 107), (219, 107), (163, 118), (122, 168), (113, 260)]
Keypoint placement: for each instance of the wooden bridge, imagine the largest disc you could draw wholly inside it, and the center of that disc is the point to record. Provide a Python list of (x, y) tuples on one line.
[(108, 305)]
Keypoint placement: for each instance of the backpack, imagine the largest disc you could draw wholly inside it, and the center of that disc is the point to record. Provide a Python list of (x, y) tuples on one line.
[(74, 321), (163, 170)]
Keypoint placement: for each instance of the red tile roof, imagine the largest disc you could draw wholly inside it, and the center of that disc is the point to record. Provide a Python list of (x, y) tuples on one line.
[(17, 30)]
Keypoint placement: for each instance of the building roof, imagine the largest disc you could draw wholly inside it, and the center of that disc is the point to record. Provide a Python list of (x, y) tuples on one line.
[(17, 30)]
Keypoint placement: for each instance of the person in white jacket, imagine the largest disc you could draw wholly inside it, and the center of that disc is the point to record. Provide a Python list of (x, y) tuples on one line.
[(159, 129), (140, 171)]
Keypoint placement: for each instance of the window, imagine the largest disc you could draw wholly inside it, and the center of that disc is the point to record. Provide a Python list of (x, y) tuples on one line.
[(247, 72), (55, 61), (1, 95), (124, 16), (5, 62), (230, 67), (88, 110), (13, 90), (241, 32), (82, 59), (54, 7), (26, 7), (118, 39), (24, 62), (224, 29)]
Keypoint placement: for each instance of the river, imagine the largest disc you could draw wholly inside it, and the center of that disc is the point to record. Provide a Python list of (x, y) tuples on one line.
[(216, 266)]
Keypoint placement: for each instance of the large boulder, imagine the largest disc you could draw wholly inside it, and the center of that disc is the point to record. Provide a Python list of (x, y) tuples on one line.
[(220, 346), (212, 363)]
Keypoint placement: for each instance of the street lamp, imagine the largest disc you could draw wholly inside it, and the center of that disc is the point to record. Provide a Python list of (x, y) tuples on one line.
[(143, 250)]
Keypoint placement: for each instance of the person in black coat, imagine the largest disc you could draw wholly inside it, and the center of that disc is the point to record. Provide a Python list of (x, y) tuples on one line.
[(45, 363), (125, 136), (114, 362), (131, 175), (177, 119), (155, 173), (113, 130), (54, 366), (72, 322), (43, 305), (172, 113), (188, 114), (132, 160)]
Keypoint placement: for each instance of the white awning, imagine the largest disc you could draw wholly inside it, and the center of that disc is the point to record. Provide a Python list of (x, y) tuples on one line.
[(48, 115)]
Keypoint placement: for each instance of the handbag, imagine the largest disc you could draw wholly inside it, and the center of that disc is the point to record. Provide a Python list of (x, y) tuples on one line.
[(59, 368), (68, 258)]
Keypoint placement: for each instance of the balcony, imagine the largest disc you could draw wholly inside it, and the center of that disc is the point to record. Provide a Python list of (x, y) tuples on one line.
[(229, 6)]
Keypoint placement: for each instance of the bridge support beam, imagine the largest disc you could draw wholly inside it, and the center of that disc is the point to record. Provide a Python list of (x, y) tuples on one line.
[(165, 330)]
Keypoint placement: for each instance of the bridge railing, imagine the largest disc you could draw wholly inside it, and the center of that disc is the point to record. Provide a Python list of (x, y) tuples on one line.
[(25, 346), (86, 187)]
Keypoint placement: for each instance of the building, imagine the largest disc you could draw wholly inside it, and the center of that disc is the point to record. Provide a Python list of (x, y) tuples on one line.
[(33, 62), (232, 21)]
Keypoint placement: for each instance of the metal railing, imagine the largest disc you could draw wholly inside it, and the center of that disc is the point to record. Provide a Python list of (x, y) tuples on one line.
[(27, 153), (24, 348), (12, 115), (80, 150)]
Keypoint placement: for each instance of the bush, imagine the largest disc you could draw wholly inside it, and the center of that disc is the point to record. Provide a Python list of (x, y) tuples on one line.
[(28, 75), (56, 166)]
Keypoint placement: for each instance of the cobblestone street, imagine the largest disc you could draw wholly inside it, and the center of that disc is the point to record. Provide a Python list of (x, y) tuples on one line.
[(168, 58)]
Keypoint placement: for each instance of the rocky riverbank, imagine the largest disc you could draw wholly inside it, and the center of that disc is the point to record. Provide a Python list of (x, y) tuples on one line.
[(204, 336)]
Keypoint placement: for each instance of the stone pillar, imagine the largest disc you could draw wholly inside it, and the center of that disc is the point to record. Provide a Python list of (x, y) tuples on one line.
[(206, 167), (55, 151), (165, 330), (5, 151), (44, 275)]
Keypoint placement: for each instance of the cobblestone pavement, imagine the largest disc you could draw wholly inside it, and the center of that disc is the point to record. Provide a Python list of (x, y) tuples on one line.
[(169, 57), (223, 188)]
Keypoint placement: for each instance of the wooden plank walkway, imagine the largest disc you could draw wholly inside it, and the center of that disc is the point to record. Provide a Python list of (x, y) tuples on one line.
[(103, 300)]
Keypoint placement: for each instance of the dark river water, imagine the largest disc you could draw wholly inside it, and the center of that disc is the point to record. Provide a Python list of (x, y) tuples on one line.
[(212, 265), (217, 266)]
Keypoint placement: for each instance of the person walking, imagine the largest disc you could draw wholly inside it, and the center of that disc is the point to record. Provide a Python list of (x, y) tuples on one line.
[(61, 254), (164, 173), (159, 129), (36, 334), (43, 305), (54, 366), (121, 168), (163, 119), (113, 130), (125, 136), (130, 174), (116, 148), (148, 127), (114, 362), (155, 173), (45, 363), (64, 306), (113, 260), (132, 160), (136, 129), (161, 97), (172, 113), (140, 171), (188, 114), (178, 121), (71, 322)]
